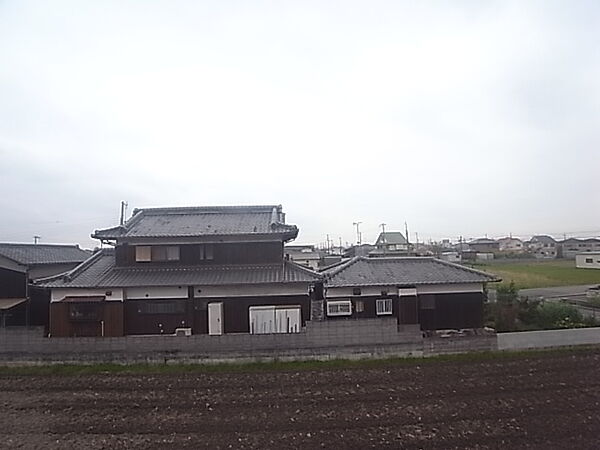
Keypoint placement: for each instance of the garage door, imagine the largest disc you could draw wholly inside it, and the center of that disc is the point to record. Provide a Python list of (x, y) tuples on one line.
[(275, 319)]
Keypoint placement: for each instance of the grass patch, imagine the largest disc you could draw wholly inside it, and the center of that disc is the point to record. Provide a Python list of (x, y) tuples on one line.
[(287, 366), (539, 274)]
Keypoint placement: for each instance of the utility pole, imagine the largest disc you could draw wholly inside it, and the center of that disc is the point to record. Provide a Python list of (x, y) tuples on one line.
[(123, 210), (36, 239), (407, 237), (328, 246), (416, 240), (383, 239), (358, 235), (340, 238)]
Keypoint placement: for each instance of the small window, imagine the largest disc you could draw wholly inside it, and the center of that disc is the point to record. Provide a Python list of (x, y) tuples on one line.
[(84, 312), (356, 291), (207, 252), (589, 261), (173, 253), (359, 306), (159, 307), (143, 253), (165, 253), (384, 306), (339, 308)]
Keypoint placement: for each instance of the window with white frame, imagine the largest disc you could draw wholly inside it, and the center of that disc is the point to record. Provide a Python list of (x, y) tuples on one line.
[(339, 308), (384, 306)]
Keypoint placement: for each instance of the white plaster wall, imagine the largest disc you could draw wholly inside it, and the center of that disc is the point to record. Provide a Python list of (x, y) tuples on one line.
[(250, 290), (57, 295), (156, 292), (581, 264), (425, 289), (364, 291), (449, 288)]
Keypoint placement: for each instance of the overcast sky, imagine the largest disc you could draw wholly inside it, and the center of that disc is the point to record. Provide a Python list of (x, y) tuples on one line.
[(466, 119)]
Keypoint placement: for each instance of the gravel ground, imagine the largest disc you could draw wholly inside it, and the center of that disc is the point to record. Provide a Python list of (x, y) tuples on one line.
[(542, 401)]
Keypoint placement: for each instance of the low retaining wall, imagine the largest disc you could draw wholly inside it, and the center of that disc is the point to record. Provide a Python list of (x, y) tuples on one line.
[(462, 344), (347, 339), (548, 338)]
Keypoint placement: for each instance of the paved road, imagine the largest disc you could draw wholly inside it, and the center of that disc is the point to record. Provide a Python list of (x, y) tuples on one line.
[(549, 292), (558, 291)]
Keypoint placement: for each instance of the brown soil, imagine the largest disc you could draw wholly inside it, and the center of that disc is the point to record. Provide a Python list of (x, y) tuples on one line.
[(542, 401)]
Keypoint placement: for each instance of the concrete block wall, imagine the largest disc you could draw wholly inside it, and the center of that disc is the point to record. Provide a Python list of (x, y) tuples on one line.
[(548, 338), (364, 338), (459, 344)]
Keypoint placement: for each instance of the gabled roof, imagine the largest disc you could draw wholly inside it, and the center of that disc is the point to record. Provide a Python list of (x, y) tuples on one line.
[(580, 240), (31, 254), (543, 239), (509, 239), (202, 221), (482, 241), (391, 237), (402, 271), (100, 272)]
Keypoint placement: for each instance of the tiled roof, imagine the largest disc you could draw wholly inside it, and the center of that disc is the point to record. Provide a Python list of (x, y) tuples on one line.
[(202, 221), (100, 272), (482, 241), (391, 237), (30, 254), (543, 239), (362, 271)]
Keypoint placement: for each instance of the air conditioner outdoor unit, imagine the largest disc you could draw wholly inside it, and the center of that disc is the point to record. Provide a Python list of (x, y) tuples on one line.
[(183, 331)]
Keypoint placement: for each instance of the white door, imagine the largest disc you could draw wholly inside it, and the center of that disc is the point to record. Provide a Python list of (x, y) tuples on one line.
[(287, 320), (275, 319), (215, 318)]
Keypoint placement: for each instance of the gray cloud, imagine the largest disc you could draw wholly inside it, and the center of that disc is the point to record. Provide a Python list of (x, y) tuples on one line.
[(463, 119)]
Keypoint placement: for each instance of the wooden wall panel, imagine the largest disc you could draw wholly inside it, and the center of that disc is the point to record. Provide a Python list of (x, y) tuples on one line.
[(113, 319), (12, 284), (223, 253)]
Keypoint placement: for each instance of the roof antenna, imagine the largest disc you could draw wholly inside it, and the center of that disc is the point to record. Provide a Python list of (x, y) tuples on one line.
[(123, 211), (36, 238)]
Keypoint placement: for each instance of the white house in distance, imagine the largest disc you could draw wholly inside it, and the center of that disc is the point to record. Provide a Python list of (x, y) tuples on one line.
[(390, 243), (453, 257), (511, 244), (588, 260), (542, 247)]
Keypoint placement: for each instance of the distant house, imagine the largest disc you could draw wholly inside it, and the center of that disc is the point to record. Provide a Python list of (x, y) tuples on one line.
[(358, 250), (588, 260), (542, 247), (199, 270), (573, 246), (484, 245), (390, 243), (20, 264), (461, 247), (305, 255), (423, 291), (511, 244), (453, 257)]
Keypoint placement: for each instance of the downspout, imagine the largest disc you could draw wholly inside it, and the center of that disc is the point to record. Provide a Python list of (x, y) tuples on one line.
[(28, 300)]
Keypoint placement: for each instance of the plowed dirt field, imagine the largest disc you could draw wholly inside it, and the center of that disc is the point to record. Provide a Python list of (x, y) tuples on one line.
[(547, 400)]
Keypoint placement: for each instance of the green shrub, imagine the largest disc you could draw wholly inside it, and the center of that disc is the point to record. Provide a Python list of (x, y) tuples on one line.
[(558, 315)]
